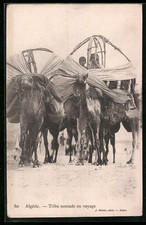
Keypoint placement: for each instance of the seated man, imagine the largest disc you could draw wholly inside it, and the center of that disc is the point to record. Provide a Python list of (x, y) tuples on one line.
[(82, 61), (94, 62)]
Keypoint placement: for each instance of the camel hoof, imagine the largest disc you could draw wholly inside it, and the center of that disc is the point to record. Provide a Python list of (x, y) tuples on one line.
[(79, 163), (101, 162), (46, 161), (21, 164), (130, 161), (54, 161), (94, 163), (36, 164), (104, 162), (50, 160), (97, 163)]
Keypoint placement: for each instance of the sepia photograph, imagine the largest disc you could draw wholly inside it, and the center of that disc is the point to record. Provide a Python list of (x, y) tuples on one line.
[(74, 110)]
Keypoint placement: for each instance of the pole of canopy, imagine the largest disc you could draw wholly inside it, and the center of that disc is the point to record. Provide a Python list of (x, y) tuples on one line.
[(100, 49), (104, 46), (29, 53), (27, 64), (37, 49), (79, 45), (115, 47), (89, 50), (33, 62), (96, 45)]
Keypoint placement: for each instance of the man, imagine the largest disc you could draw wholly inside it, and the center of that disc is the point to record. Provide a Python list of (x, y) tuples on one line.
[(82, 61), (94, 62)]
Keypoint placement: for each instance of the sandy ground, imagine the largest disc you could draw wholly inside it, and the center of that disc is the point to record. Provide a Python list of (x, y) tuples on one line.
[(67, 190)]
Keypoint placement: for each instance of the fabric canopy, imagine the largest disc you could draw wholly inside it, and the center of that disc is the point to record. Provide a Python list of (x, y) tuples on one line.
[(72, 68), (125, 72), (64, 84), (65, 72), (17, 65), (51, 65)]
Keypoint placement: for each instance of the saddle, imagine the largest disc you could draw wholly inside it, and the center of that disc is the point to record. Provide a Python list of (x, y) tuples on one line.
[(131, 100), (131, 109)]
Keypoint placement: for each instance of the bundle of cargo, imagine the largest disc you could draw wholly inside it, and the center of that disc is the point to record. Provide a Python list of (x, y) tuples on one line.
[(21, 64)]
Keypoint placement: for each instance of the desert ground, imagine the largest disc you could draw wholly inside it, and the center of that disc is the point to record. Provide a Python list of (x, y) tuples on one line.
[(64, 189)]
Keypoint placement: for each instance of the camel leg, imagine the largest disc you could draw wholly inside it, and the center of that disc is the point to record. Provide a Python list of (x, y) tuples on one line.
[(81, 140), (36, 161), (69, 132), (79, 151), (34, 130), (47, 154), (23, 141), (56, 146), (33, 135), (90, 146), (113, 145), (90, 154), (107, 145), (75, 134), (104, 152), (133, 128), (100, 146)]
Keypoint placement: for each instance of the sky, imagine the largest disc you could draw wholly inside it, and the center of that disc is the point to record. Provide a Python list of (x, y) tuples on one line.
[(60, 27)]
